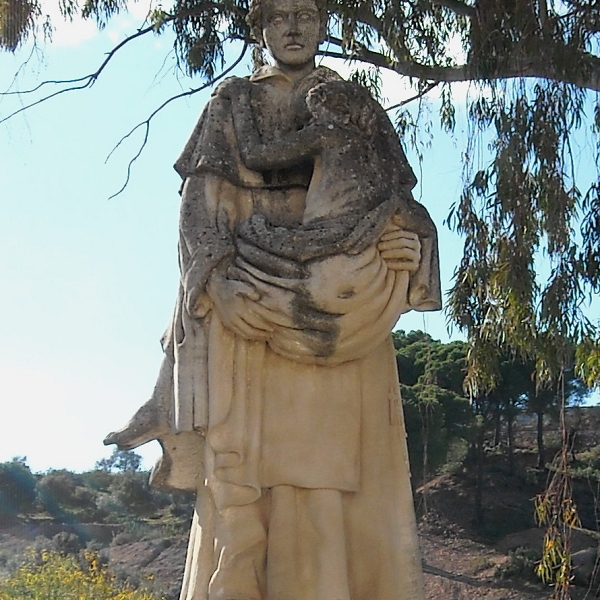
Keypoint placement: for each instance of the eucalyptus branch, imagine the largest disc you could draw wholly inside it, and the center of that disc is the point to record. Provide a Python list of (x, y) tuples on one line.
[(422, 93), (91, 78), (368, 17), (456, 6), (86, 82), (365, 55), (146, 123), (44, 99), (22, 66), (589, 78)]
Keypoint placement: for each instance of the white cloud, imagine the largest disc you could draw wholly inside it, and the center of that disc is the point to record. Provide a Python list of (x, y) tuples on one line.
[(67, 33), (78, 31), (139, 10), (395, 88), (128, 22)]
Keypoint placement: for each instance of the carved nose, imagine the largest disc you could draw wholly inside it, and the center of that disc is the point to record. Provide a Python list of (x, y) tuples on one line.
[(292, 25)]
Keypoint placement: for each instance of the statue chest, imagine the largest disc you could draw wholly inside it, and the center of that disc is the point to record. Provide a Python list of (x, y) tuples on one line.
[(278, 111)]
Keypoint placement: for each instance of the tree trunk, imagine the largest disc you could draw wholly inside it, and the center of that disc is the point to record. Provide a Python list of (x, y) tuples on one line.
[(497, 426), (510, 420), (540, 440), (425, 463), (479, 485)]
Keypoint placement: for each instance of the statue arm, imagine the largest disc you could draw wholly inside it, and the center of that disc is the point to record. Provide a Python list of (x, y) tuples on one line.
[(357, 298), (291, 150)]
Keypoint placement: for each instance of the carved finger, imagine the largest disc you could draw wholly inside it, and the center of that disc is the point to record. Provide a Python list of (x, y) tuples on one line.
[(400, 244), (242, 328), (256, 320), (401, 254), (246, 290), (397, 232), (234, 272), (262, 280), (410, 248), (277, 317), (400, 239), (391, 226), (291, 344), (408, 254), (402, 265)]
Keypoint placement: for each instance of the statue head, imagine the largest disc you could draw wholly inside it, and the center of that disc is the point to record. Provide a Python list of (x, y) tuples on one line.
[(290, 29)]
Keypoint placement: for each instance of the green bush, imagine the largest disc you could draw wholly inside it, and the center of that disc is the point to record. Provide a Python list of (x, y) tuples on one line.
[(520, 565), (456, 455), (132, 492), (587, 465), (64, 489), (17, 490), (66, 543)]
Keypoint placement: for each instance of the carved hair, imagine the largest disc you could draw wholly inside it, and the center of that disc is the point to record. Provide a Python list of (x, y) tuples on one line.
[(255, 20), (349, 99)]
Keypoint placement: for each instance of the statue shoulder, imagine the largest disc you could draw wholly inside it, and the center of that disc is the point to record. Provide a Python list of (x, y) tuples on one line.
[(324, 74), (232, 87), (316, 77)]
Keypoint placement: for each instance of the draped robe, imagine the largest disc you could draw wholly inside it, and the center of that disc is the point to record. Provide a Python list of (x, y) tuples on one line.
[(295, 446)]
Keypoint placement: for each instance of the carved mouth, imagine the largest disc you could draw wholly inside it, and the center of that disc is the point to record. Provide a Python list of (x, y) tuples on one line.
[(294, 46)]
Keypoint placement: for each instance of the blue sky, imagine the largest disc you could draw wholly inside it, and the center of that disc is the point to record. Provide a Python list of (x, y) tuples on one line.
[(88, 283)]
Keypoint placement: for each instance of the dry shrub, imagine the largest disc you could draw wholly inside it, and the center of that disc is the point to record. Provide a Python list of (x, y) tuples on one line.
[(52, 575)]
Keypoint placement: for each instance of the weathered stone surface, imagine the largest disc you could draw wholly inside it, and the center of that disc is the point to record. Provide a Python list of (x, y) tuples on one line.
[(301, 245)]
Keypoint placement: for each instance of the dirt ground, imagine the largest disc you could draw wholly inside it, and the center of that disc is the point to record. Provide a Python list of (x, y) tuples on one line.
[(459, 561), (455, 567)]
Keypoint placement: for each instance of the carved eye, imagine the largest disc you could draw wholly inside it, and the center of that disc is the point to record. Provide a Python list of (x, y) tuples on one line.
[(276, 19), (306, 15)]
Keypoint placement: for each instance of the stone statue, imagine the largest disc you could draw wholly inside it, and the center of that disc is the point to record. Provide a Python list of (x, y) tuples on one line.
[(278, 398)]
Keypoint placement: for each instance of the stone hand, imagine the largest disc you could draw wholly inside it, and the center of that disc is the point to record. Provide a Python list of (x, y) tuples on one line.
[(148, 423), (235, 302), (400, 249)]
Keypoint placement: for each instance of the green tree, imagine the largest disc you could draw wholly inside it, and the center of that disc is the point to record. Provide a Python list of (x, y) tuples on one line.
[(501, 403), (410, 349), (420, 357), (515, 385), (17, 489), (518, 388), (65, 496), (131, 495), (120, 461), (533, 62), (434, 417), (435, 409), (66, 488), (567, 390)]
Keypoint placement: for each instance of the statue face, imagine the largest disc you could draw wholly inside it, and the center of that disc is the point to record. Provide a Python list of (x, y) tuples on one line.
[(292, 31)]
